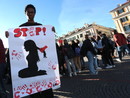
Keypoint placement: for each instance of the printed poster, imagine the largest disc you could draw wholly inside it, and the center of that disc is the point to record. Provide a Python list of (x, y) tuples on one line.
[(33, 58)]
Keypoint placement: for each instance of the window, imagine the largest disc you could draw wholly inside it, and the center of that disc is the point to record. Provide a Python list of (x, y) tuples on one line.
[(127, 27), (81, 35), (74, 38), (120, 11), (87, 32), (124, 19), (77, 36), (99, 32)]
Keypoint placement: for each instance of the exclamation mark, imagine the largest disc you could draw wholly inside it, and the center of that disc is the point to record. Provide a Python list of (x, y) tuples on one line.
[(44, 30)]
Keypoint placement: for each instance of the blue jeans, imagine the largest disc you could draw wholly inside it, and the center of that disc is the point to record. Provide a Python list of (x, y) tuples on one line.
[(121, 49), (91, 62), (70, 64)]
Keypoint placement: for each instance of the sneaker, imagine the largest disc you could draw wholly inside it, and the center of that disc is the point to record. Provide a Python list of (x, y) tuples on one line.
[(75, 74), (113, 65), (70, 75), (79, 71), (96, 73), (108, 66), (98, 68), (118, 60)]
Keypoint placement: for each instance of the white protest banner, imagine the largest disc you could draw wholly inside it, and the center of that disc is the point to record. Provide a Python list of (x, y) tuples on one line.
[(33, 58)]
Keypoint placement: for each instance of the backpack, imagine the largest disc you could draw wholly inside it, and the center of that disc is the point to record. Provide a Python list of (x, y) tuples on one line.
[(77, 51)]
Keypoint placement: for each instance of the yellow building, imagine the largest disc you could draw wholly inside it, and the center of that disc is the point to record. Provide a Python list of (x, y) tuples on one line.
[(121, 17)]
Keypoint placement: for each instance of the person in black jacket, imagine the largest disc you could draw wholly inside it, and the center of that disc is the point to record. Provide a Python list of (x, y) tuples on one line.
[(61, 59), (3, 93), (106, 52), (88, 50), (69, 58)]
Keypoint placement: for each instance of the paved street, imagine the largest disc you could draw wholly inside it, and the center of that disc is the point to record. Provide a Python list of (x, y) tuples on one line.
[(110, 83)]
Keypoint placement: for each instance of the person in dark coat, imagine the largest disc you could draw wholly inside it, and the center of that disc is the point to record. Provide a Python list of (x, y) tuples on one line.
[(88, 50), (69, 58), (106, 52), (2, 70)]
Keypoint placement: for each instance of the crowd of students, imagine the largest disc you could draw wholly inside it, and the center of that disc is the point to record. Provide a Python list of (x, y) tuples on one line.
[(71, 57), (71, 54)]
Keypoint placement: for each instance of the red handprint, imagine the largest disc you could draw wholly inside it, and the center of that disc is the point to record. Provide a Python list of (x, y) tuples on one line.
[(57, 82), (29, 91), (50, 85), (38, 88), (16, 54), (52, 66), (16, 94)]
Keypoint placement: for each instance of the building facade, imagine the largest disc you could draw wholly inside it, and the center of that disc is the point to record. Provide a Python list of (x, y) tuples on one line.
[(121, 17), (90, 29)]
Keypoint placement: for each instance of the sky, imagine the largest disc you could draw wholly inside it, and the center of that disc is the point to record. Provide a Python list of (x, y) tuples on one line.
[(64, 15)]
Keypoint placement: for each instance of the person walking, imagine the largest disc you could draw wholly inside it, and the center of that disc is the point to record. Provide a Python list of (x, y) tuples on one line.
[(94, 43), (128, 41), (69, 58), (88, 50), (106, 52), (121, 43), (76, 50)]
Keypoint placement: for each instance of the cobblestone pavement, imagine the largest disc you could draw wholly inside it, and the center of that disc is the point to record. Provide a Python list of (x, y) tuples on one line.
[(109, 83)]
